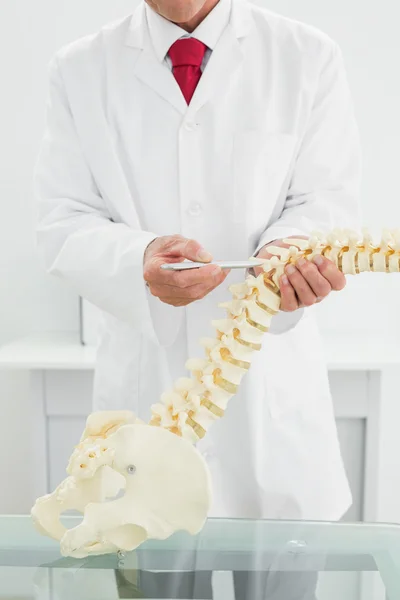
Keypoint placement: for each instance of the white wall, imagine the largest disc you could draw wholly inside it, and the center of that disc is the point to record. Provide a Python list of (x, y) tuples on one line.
[(31, 31)]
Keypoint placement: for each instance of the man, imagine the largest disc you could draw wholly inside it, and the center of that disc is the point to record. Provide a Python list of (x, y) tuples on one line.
[(193, 130)]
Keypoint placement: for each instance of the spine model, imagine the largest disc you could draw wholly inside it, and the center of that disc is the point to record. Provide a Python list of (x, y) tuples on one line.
[(197, 401)]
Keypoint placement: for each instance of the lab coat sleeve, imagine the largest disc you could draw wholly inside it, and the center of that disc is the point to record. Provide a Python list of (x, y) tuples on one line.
[(324, 187), (77, 239)]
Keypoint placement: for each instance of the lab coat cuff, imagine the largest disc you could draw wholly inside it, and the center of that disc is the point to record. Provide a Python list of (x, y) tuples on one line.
[(143, 311), (285, 321), (165, 319)]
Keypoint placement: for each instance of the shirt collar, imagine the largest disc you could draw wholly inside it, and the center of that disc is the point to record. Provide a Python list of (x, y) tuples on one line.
[(164, 33)]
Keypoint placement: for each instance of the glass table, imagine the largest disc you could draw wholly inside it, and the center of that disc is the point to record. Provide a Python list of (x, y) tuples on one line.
[(246, 560)]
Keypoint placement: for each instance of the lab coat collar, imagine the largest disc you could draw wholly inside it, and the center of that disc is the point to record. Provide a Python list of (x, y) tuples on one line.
[(163, 33), (225, 59), (240, 23)]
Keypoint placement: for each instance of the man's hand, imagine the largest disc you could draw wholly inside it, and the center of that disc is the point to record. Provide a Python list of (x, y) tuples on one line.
[(308, 282), (179, 288)]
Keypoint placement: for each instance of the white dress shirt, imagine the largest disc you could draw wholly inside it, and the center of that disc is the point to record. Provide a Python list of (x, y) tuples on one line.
[(164, 33)]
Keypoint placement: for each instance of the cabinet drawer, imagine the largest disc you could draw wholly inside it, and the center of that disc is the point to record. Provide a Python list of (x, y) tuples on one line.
[(68, 393), (64, 434), (349, 393)]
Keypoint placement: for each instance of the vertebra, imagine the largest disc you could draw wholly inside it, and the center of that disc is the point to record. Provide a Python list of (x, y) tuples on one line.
[(195, 403)]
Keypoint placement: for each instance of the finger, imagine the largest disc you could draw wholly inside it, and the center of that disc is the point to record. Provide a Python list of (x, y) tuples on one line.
[(218, 279), (210, 275), (289, 301), (303, 291), (190, 293), (182, 279), (331, 273), (198, 291), (194, 292), (317, 282), (189, 249), (176, 301)]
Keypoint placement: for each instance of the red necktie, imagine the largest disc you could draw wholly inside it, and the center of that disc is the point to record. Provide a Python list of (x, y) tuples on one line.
[(187, 56)]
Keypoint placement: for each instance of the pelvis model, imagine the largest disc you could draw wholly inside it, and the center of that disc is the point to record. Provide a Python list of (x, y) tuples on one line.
[(134, 481)]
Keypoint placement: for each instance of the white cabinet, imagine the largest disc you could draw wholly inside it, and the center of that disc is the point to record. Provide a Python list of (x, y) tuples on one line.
[(352, 442), (67, 397), (63, 434), (364, 376), (68, 401)]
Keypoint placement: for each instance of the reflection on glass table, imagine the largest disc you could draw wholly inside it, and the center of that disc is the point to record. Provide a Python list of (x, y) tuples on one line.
[(230, 559)]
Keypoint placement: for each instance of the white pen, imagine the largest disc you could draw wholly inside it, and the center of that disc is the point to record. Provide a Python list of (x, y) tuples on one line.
[(224, 264)]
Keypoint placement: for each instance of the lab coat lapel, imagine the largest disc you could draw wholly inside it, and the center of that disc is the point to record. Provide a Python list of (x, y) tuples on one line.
[(225, 60), (219, 73), (148, 68), (157, 76)]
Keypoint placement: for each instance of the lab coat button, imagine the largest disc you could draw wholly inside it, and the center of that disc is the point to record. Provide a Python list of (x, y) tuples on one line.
[(195, 209), (190, 126)]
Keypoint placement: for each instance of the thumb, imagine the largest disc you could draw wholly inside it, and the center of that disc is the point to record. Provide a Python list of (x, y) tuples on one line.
[(191, 250)]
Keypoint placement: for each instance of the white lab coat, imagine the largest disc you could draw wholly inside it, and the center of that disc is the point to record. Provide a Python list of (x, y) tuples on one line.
[(267, 148)]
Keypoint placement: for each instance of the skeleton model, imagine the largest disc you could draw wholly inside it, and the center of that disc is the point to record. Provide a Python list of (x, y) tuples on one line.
[(132, 481)]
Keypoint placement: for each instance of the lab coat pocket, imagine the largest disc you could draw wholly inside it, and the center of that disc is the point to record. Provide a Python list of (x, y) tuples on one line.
[(262, 163)]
